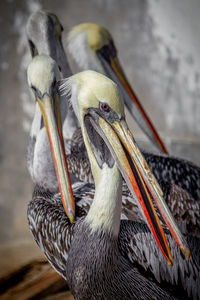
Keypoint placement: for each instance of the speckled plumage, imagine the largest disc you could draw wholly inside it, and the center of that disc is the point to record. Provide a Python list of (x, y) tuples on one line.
[(97, 270), (136, 247), (175, 170)]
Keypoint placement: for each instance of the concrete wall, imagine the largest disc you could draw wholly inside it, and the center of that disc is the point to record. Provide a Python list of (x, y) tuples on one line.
[(158, 45)]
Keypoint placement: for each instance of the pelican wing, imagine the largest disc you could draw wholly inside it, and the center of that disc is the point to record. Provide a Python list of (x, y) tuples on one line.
[(138, 245), (175, 170), (50, 227), (80, 168), (185, 210)]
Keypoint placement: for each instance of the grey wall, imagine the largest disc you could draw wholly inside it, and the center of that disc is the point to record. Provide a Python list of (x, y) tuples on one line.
[(158, 44)]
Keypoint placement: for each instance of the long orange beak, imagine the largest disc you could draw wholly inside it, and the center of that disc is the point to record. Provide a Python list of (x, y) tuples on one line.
[(54, 130), (114, 70), (141, 183)]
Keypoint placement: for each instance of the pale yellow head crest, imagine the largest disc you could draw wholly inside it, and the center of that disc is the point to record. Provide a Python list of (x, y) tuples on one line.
[(41, 73), (40, 20), (88, 89), (97, 36), (57, 25), (84, 41)]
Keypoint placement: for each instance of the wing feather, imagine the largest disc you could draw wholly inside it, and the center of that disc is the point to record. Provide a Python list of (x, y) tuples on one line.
[(137, 243)]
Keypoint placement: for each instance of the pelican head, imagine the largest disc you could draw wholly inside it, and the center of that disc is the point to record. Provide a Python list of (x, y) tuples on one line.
[(44, 33), (99, 107), (42, 75), (84, 41), (91, 46)]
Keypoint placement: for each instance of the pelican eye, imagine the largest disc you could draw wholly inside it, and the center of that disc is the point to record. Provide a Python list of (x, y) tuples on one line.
[(105, 107)]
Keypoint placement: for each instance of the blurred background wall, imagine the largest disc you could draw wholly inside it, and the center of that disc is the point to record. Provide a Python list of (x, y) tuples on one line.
[(158, 45)]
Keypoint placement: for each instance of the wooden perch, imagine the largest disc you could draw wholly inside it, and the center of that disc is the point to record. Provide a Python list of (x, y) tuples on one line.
[(35, 280)]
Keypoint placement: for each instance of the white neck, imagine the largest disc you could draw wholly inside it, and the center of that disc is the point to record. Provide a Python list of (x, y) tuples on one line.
[(44, 172), (105, 210), (81, 56)]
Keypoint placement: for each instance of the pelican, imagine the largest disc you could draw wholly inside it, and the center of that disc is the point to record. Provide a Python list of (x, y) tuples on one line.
[(96, 268), (178, 179), (44, 35), (91, 47), (47, 98), (53, 231)]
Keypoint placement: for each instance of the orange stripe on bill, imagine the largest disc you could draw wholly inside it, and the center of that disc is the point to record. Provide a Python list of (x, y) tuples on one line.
[(54, 130)]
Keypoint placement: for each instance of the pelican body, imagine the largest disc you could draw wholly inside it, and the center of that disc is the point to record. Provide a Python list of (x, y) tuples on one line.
[(96, 268)]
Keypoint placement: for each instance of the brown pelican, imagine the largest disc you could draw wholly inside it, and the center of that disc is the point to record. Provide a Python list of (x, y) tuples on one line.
[(48, 102), (44, 32), (92, 48), (53, 232), (96, 268), (178, 179)]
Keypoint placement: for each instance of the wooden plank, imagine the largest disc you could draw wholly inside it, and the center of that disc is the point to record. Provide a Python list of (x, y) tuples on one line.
[(36, 280)]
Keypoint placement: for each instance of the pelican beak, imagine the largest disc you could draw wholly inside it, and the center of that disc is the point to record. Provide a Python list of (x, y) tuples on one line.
[(115, 72), (53, 126), (140, 180)]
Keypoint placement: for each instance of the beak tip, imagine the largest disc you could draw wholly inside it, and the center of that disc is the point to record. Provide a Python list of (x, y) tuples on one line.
[(188, 253), (171, 262), (71, 216)]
